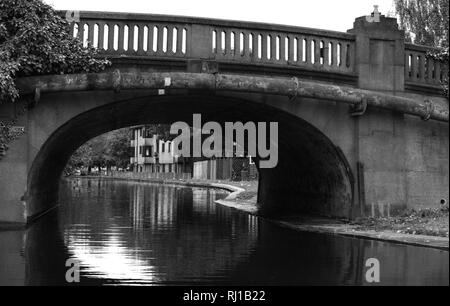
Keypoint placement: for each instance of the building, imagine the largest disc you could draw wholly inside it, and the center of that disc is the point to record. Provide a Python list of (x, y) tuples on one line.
[(150, 152)]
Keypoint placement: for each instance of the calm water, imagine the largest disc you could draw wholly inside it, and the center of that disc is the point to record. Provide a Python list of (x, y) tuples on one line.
[(138, 233)]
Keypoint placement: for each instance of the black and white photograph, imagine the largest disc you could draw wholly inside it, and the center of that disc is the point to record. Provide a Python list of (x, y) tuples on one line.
[(223, 150)]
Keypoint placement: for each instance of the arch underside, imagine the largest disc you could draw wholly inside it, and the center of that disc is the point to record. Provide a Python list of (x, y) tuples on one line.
[(311, 175)]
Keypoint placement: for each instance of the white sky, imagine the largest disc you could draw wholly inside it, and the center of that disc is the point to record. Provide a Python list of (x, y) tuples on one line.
[(335, 15)]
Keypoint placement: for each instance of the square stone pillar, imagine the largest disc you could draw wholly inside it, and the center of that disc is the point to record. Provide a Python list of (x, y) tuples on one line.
[(379, 134), (380, 46)]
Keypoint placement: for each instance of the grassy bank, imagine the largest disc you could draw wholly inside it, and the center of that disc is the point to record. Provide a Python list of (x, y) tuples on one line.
[(430, 222)]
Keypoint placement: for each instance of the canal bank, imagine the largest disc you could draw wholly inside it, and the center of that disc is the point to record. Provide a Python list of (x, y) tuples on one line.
[(317, 224), (243, 198)]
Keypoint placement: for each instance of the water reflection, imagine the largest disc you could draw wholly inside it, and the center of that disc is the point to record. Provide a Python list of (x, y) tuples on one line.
[(137, 233), (153, 233)]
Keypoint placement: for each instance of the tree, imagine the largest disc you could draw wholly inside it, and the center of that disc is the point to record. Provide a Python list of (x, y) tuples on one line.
[(118, 145), (35, 40), (426, 23), (162, 130), (82, 157), (107, 150)]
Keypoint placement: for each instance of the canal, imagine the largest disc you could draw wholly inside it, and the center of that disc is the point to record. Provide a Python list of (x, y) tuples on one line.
[(140, 233)]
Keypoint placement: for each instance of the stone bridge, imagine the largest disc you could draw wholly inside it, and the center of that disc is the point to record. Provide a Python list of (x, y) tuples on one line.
[(363, 126)]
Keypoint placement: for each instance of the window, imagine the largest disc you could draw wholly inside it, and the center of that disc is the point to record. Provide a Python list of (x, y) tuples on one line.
[(147, 133), (169, 145), (162, 147), (146, 151)]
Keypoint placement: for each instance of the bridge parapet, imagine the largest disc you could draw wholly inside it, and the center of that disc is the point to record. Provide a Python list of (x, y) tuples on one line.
[(316, 50), (421, 69), (319, 53), (121, 34), (158, 36)]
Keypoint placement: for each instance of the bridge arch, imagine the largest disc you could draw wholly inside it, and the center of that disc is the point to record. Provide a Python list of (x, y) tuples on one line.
[(312, 174)]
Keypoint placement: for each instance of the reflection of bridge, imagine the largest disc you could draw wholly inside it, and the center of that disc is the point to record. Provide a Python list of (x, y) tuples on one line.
[(349, 107)]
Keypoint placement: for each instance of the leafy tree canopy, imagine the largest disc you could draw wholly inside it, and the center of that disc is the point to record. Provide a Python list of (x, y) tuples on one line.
[(426, 23), (35, 40), (107, 150)]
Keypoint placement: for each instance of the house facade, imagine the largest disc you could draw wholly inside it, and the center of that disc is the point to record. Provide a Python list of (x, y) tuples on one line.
[(152, 153)]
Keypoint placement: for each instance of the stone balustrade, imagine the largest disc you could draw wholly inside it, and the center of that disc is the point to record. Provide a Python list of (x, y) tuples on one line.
[(146, 36)]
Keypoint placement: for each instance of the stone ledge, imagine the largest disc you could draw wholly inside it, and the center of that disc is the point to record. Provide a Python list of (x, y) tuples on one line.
[(347, 230), (333, 227)]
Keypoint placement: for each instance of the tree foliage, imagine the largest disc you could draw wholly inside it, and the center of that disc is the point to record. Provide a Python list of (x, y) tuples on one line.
[(162, 130), (82, 157), (426, 23), (35, 40), (116, 149), (107, 150)]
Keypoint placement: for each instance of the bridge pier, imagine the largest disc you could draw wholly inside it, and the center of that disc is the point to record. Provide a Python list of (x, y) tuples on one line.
[(379, 62), (393, 150), (404, 163)]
